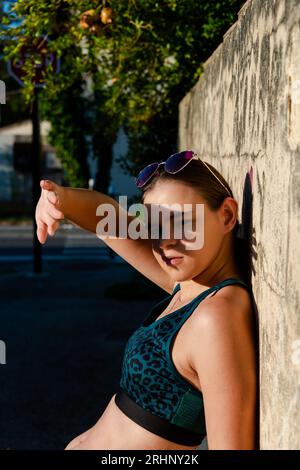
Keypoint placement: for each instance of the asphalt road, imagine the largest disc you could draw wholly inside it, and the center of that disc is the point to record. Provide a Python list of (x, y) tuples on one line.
[(64, 337)]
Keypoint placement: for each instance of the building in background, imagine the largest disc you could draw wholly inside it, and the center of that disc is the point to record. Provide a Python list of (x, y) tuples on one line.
[(16, 167)]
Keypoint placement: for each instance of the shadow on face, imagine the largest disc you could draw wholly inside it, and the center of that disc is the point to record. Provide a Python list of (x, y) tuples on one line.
[(181, 224)]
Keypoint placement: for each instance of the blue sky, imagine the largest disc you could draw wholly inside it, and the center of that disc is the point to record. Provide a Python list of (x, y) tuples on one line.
[(6, 6)]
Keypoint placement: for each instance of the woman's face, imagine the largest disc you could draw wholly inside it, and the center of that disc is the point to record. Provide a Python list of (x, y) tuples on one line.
[(208, 228)]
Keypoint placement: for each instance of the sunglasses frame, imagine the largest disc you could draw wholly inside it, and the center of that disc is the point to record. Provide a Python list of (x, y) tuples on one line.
[(194, 157)]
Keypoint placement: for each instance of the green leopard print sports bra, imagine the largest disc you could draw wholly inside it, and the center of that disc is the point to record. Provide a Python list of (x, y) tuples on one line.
[(152, 391)]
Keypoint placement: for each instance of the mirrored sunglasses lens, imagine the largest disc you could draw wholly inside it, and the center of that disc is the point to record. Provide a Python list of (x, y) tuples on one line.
[(145, 174), (178, 161)]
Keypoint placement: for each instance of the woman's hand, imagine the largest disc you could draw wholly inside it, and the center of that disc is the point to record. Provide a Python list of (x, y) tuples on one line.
[(47, 213)]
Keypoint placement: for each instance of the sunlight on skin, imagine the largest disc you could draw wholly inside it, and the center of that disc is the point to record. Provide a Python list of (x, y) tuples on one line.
[(214, 261)]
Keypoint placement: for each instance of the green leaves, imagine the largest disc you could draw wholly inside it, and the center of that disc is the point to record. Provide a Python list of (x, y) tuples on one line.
[(141, 64)]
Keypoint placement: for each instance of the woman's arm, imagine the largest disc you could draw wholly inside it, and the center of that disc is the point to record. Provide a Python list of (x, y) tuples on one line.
[(223, 357), (79, 206)]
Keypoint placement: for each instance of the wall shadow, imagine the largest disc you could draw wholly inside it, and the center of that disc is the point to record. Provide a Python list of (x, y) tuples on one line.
[(248, 252)]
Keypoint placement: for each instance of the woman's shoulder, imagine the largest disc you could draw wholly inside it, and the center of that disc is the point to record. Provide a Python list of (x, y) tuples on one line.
[(227, 309), (224, 322), (233, 299)]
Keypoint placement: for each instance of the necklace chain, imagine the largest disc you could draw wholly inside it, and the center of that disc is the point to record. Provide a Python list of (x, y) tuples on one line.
[(173, 305)]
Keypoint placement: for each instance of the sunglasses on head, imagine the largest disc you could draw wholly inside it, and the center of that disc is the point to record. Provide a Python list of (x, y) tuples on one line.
[(173, 164)]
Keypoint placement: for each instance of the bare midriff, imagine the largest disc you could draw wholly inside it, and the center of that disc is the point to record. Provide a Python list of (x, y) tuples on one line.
[(115, 431)]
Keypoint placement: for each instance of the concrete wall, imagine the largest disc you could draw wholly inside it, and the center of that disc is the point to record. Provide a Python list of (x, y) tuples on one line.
[(243, 115)]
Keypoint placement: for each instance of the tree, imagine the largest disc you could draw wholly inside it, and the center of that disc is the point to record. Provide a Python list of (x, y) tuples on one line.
[(143, 56)]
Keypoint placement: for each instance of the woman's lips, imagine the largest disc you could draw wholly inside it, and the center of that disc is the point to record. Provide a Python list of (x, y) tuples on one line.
[(173, 261)]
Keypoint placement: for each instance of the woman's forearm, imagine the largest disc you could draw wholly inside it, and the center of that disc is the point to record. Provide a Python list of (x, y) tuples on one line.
[(79, 205)]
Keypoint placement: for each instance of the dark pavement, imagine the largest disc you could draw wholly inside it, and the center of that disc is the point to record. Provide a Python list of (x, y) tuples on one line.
[(64, 336)]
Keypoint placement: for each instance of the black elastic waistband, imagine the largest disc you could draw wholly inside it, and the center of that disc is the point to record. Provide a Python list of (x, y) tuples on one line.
[(155, 424)]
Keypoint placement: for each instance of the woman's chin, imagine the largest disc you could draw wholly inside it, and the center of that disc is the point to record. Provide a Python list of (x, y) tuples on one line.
[(178, 274), (176, 267)]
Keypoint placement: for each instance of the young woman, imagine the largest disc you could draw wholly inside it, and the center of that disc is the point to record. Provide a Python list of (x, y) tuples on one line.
[(190, 369)]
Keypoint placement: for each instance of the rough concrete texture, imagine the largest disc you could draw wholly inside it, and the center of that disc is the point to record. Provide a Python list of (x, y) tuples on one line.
[(245, 112)]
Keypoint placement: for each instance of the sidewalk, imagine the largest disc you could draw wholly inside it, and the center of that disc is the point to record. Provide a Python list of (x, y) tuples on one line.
[(64, 348)]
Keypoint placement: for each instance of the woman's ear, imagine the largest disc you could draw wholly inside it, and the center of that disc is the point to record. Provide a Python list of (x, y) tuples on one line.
[(229, 213)]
